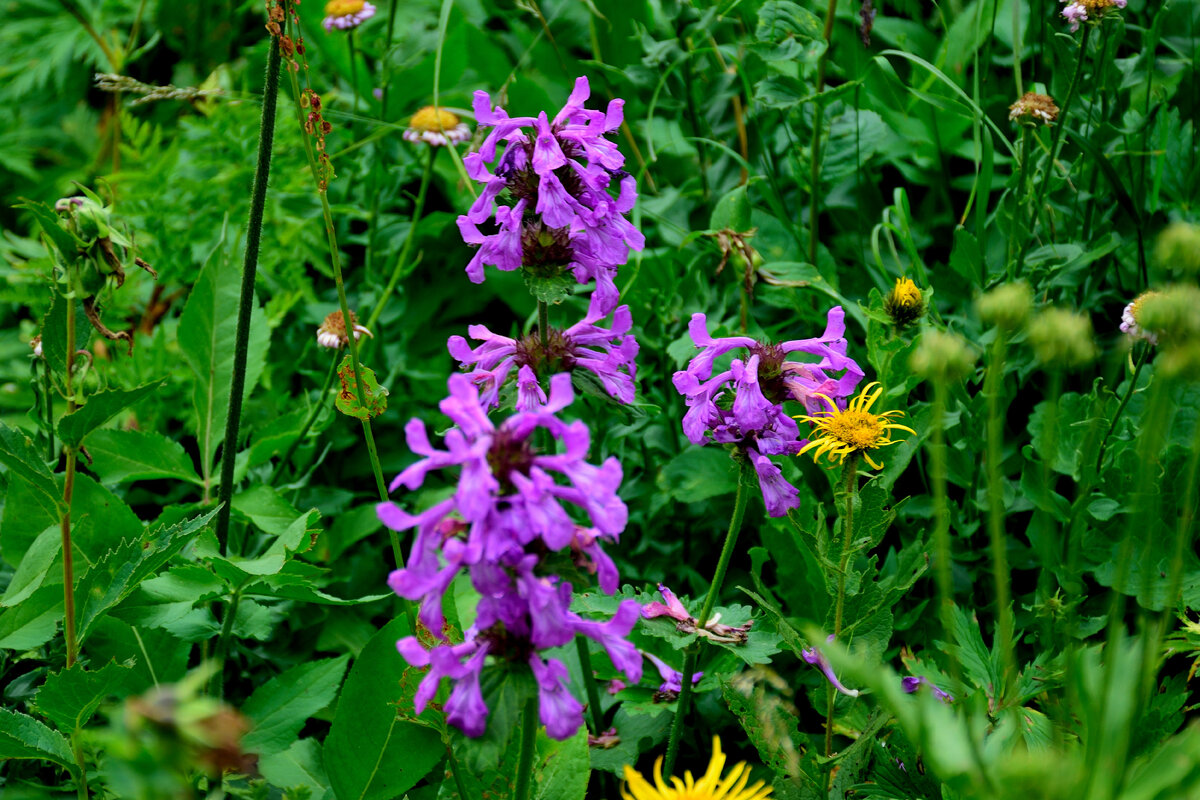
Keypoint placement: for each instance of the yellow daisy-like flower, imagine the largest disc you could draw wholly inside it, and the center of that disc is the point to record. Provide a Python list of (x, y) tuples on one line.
[(904, 303), (856, 430), (710, 787)]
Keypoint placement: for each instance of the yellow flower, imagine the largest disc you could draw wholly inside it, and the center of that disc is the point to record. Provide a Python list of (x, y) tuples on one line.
[(710, 787), (855, 430), (904, 303), (436, 126)]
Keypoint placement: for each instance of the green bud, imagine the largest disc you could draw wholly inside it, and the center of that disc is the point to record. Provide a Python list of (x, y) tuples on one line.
[(1007, 307), (942, 356), (1178, 248), (1062, 338), (904, 304)]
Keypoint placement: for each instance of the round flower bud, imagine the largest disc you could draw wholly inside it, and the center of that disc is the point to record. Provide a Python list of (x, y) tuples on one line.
[(1007, 306), (1062, 338), (904, 303), (1178, 248), (332, 333), (942, 356), (1172, 315)]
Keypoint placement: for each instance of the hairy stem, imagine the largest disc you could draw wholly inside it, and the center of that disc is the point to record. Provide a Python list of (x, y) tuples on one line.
[(68, 489), (941, 531), (529, 727), (237, 388)]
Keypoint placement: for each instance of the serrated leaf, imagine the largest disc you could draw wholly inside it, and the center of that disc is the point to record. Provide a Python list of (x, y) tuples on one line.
[(120, 456), (206, 340), (99, 409), (17, 452), (33, 621), (371, 753), (280, 707), (266, 509), (347, 398), (639, 733), (65, 242), (69, 698), (23, 736), (298, 766), (549, 289), (100, 519)]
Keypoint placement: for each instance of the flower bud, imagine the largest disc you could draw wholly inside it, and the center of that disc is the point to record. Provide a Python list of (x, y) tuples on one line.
[(1007, 307), (942, 356), (1172, 315), (904, 303), (1178, 248), (1062, 338)]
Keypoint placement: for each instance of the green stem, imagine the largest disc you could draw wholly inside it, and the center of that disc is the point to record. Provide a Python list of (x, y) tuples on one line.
[(690, 657), (589, 684), (47, 392), (81, 785), (387, 60), (237, 388), (455, 771), (353, 76), (995, 487), (850, 490), (1056, 140), (941, 531), (400, 271), (68, 490), (1129, 390), (529, 727), (223, 639), (308, 423), (1021, 198), (818, 121), (543, 312)]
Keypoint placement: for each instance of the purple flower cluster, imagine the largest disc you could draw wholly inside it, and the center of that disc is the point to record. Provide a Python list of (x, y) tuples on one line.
[(548, 193), (754, 418), (506, 515), (609, 353)]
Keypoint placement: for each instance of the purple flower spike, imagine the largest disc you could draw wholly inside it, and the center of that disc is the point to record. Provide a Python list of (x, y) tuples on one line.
[(560, 174), (608, 353), (815, 657), (761, 382)]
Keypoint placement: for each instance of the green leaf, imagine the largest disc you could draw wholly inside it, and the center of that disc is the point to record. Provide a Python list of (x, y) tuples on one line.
[(99, 409), (206, 340), (65, 242), (69, 698), (17, 452), (639, 733), (562, 769), (298, 766), (769, 719), (783, 19), (699, 473), (100, 519), (732, 212), (371, 753), (33, 621), (552, 289), (266, 509), (280, 707), (120, 456), (347, 399), (22, 736), (32, 569), (54, 333)]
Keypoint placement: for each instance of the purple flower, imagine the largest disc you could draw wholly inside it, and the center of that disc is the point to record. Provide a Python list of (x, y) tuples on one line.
[(755, 420), (1075, 13), (346, 14), (815, 657), (672, 679), (608, 353), (685, 623), (550, 193), (910, 684)]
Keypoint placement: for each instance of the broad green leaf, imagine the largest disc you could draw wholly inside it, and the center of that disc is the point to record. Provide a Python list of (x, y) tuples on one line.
[(64, 241), (22, 736), (732, 212), (562, 769), (155, 655), (99, 409), (32, 570), (280, 707), (298, 766), (206, 340), (266, 509), (33, 621), (69, 698), (783, 19), (639, 733), (769, 719), (120, 456), (17, 452), (699, 473), (371, 753), (347, 397)]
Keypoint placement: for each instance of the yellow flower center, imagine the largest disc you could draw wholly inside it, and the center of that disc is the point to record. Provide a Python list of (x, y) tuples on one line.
[(857, 429), (432, 118), (341, 8), (906, 293)]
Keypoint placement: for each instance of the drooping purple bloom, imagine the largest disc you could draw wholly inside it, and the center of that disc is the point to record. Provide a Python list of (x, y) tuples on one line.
[(609, 353), (510, 509), (755, 419), (910, 684), (685, 623), (672, 679), (549, 193), (815, 657)]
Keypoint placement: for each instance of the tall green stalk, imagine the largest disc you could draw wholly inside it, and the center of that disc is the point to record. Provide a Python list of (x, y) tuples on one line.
[(941, 511), (850, 491), (1055, 142), (258, 197), (68, 489), (994, 385), (1129, 390), (818, 121), (745, 482)]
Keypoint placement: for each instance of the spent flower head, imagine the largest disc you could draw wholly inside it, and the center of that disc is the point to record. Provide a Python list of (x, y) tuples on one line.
[(1033, 108), (333, 335), (1078, 11), (1130, 316), (1062, 338), (710, 786), (855, 430), (437, 127), (904, 303), (346, 14)]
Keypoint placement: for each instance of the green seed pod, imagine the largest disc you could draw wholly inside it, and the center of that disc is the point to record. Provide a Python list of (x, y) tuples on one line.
[(942, 356), (1007, 307), (1178, 249), (1062, 338)]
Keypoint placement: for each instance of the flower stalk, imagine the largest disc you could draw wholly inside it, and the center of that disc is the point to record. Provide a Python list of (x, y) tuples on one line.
[(850, 490), (258, 197), (745, 479), (68, 490), (818, 121), (994, 383)]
